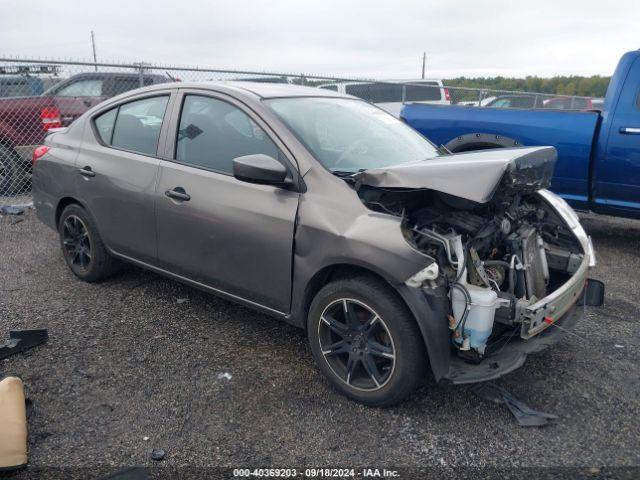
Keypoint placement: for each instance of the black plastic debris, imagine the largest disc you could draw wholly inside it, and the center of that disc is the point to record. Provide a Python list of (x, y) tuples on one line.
[(129, 473), (22, 340), (157, 454), (526, 416)]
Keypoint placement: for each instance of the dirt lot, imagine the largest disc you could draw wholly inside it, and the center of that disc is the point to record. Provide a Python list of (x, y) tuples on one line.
[(142, 356)]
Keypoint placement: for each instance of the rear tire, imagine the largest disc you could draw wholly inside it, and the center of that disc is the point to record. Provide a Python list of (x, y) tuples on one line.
[(366, 342), (82, 248)]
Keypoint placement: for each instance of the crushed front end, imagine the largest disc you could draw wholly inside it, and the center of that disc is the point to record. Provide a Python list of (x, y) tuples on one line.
[(514, 266)]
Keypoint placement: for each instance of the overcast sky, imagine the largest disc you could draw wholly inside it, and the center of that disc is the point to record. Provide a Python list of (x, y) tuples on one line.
[(378, 39)]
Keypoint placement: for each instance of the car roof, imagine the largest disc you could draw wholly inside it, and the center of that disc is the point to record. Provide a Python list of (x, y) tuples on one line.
[(114, 74), (394, 81), (256, 89), (275, 90)]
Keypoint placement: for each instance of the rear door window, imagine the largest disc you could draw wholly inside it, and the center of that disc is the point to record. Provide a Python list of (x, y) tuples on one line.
[(134, 126)]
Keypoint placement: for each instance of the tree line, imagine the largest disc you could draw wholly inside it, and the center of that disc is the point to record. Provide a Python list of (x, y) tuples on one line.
[(594, 86)]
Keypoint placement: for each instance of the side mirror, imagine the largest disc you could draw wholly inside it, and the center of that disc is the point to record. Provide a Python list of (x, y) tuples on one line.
[(261, 169)]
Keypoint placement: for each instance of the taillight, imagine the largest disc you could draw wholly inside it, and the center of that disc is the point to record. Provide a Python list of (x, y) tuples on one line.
[(447, 97), (50, 117), (38, 153)]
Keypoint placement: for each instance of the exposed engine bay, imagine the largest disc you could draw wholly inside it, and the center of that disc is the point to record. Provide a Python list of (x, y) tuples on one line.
[(495, 258)]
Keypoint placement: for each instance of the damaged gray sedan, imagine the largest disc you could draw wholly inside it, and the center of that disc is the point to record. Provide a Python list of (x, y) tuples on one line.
[(329, 213)]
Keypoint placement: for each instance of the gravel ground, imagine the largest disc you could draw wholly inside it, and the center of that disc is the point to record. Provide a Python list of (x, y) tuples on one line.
[(142, 356)]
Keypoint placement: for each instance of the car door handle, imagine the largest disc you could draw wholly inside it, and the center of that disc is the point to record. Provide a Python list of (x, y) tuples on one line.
[(630, 130), (178, 193), (86, 172)]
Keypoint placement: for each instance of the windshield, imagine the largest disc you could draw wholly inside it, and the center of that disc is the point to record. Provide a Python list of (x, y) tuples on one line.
[(350, 135)]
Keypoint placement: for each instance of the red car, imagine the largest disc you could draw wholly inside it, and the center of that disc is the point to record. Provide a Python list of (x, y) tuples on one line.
[(24, 121)]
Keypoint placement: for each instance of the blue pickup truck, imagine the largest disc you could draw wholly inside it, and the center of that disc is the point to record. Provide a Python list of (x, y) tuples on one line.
[(598, 165)]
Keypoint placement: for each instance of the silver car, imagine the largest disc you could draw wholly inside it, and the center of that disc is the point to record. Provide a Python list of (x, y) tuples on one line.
[(320, 209)]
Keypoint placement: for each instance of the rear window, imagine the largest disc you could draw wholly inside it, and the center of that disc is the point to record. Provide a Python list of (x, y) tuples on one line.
[(376, 92), (424, 92)]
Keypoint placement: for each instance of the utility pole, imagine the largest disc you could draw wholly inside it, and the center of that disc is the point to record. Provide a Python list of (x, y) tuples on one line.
[(424, 62), (93, 45)]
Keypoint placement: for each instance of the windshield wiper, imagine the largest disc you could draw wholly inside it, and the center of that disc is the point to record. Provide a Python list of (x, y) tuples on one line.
[(346, 173), (343, 173)]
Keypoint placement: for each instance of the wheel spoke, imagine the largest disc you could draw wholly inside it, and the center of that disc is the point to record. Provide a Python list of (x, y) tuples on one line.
[(75, 225), (371, 322), (86, 258), (379, 350), (350, 315), (336, 327), (336, 349), (352, 363), (372, 369)]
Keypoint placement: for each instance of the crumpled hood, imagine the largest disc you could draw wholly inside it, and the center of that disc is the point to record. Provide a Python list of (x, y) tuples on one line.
[(473, 175)]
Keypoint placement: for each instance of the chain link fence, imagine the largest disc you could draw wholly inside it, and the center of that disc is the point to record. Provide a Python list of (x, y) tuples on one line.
[(39, 95)]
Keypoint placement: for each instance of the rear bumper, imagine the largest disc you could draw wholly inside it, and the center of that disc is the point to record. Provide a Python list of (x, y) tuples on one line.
[(512, 355)]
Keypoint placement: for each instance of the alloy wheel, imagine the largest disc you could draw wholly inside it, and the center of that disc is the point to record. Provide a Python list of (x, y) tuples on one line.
[(356, 344), (75, 238)]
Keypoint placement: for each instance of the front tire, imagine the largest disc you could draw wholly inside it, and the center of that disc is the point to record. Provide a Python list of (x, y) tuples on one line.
[(366, 342), (82, 248)]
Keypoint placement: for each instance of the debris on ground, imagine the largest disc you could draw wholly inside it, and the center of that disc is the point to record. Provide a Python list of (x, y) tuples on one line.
[(129, 473), (225, 375), (18, 209), (618, 346), (22, 340), (13, 424), (157, 454), (181, 300), (526, 416)]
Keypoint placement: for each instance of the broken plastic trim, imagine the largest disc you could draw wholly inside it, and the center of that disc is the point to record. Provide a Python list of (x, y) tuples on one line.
[(525, 415), (428, 273), (21, 340)]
